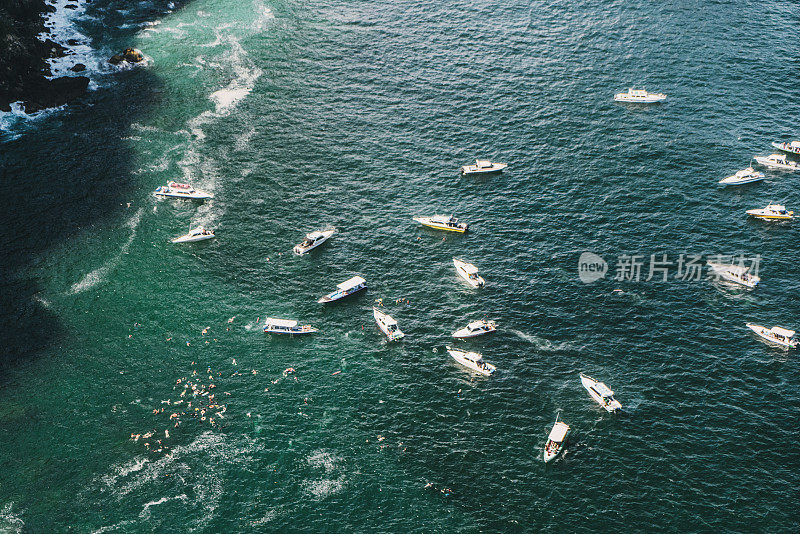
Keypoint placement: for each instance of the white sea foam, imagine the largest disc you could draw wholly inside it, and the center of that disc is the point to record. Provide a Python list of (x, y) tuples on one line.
[(330, 483), (145, 513), (10, 521), (96, 276), (198, 466)]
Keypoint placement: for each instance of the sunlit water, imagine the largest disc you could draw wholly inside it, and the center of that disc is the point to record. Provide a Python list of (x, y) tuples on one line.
[(357, 115)]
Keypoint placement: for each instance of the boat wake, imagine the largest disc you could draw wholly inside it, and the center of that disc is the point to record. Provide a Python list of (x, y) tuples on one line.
[(96, 276), (542, 343)]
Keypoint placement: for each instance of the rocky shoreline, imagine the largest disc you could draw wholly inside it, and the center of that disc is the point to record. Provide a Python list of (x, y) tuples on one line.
[(24, 71)]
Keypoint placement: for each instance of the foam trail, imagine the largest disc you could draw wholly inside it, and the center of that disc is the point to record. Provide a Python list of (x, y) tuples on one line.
[(96, 276)]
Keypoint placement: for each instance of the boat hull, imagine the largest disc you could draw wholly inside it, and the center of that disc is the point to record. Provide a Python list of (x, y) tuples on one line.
[(763, 333), (201, 196), (336, 296), (472, 170), (760, 214), (551, 451), (774, 165), (380, 320), (435, 226), (300, 249), (588, 383), (786, 148), (291, 332), (458, 355), (733, 180), (193, 239)]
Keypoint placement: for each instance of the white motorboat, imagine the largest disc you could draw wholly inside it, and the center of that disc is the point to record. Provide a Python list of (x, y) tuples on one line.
[(443, 222), (734, 273), (776, 334), (468, 272), (601, 394), (472, 360), (346, 288), (792, 147), (555, 440), (176, 190), (195, 234), (474, 329), (312, 241), (387, 325), (285, 326), (777, 161), (639, 96), (745, 176), (483, 166), (773, 212)]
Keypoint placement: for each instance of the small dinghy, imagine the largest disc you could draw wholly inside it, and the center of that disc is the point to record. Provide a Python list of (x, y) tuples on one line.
[(555, 441), (734, 273), (472, 360), (745, 176), (345, 289), (792, 147), (474, 329), (483, 166), (443, 222), (285, 326), (312, 241), (387, 325), (773, 212), (777, 161), (600, 393), (639, 96), (196, 234), (468, 272), (176, 190), (776, 334)]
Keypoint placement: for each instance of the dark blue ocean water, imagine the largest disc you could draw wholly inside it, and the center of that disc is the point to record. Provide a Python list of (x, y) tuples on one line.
[(303, 115)]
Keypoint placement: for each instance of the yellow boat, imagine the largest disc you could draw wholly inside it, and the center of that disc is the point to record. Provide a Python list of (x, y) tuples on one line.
[(443, 222), (772, 212)]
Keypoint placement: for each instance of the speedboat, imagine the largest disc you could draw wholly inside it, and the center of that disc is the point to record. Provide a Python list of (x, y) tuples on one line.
[(312, 241), (387, 325), (792, 147), (176, 190), (483, 166), (774, 212), (777, 161), (468, 272), (745, 176), (601, 394), (284, 326), (443, 222), (346, 288), (734, 273), (474, 329), (555, 440), (639, 96), (472, 360), (776, 334), (196, 234)]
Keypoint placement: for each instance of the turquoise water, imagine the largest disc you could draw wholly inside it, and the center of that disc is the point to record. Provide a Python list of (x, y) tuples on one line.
[(299, 116)]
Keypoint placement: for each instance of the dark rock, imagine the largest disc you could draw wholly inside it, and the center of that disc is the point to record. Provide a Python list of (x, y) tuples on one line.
[(71, 6), (131, 55), (78, 67), (73, 42), (45, 93), (53, 49)]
